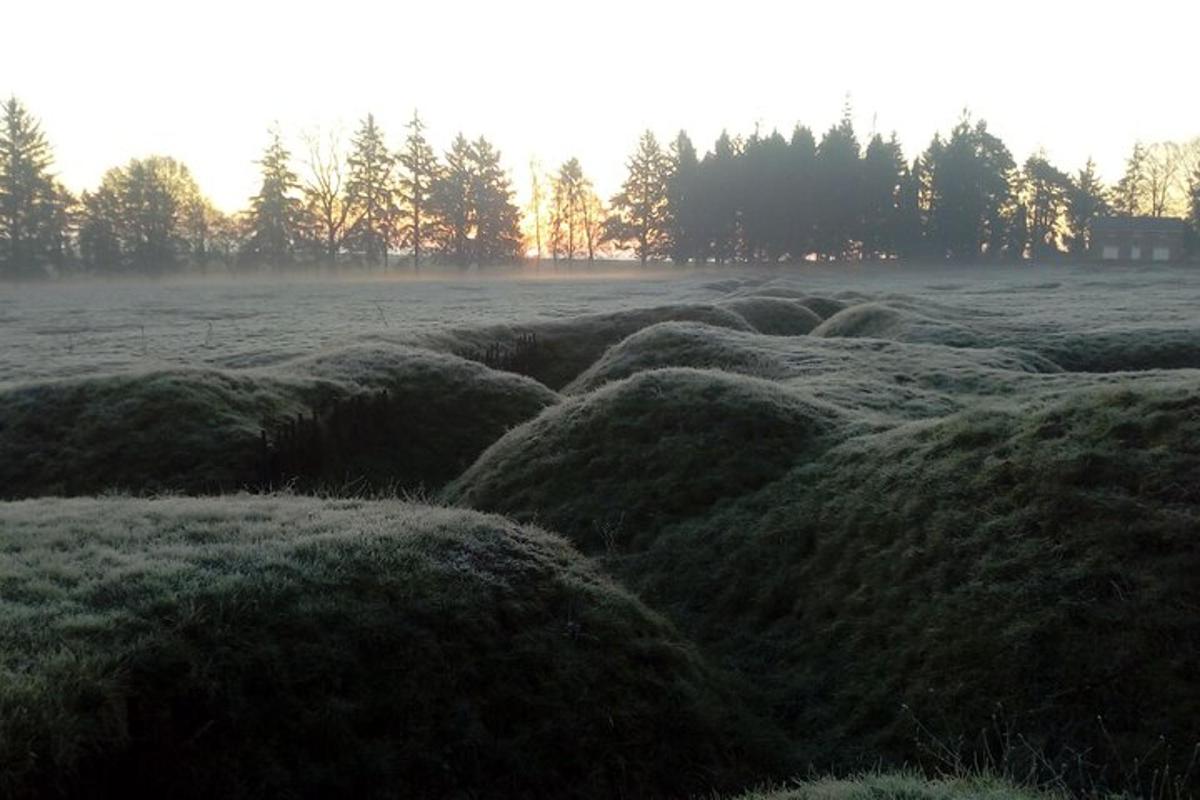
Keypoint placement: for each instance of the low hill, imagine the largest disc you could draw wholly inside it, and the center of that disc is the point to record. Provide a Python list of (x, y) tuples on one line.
[(291, 647)]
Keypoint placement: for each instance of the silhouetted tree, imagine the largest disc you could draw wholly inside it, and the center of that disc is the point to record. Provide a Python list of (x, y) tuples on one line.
[(594, 214), (640, 209), (883, 175), (477, 221), (763, 188), (683, 202), (971, 198), (1131, 189), (418, 173), (566, 217), (536, 202), (34, 207), (1047, 200), (1194, 210), (801, 196), (275, 219), (371, 194), (147, 216), (452, 203), (1166, 179), (497, 218), (1086, 200), (910, 212), (718, 203), (326, 210), (838, 183)]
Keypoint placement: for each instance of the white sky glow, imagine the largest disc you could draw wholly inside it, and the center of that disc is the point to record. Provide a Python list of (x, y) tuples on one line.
[(204, 81)]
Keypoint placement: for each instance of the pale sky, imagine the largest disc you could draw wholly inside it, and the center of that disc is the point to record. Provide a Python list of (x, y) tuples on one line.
[(203, 81)]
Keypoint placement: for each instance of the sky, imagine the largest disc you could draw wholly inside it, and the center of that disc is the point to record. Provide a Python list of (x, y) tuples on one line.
[(203, 82)]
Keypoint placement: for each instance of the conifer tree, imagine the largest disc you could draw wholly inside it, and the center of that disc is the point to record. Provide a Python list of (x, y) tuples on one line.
[(418, 173), (34, 207), (640, 210), (477, 221), (371, 194), (883, 174), (683, 201), (801, 195), (1130, 196), (839, 185), (1087, 199), (274, 220), (497, 218)]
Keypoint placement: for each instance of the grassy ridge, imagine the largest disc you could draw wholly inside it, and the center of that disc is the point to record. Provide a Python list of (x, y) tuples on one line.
[(197, 430), (567, 347), (663, 445), (1003, 571), (293, 647)]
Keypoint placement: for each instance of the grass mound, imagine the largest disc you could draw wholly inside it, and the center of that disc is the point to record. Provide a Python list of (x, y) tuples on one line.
[(610, 468), (873, 379), (198, 431), (774, 316), (1120, 350), (562, 349), (683, 344), (1014, 587), (291, 647), (823, 307), (878, 321)]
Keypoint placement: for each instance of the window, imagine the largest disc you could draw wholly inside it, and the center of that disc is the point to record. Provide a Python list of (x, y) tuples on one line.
[(1162, 254), (1111, 252), (1135, 253)]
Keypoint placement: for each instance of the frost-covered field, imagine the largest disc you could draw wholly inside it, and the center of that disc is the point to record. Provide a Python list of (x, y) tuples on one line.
[(57, 330), (681, 532)]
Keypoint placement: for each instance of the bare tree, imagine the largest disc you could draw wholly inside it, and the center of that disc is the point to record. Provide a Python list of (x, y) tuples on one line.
[(535, 204), (323, 193), (1165, 178), (593, 214)]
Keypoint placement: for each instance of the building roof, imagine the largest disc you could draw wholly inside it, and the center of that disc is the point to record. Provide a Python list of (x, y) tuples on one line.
[(1170, 225)]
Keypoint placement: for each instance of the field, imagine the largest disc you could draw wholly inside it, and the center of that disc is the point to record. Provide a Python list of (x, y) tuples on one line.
[(924, 532)]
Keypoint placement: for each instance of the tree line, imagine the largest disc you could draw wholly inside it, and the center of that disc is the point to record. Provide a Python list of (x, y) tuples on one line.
[(770, 198), (765, 197)]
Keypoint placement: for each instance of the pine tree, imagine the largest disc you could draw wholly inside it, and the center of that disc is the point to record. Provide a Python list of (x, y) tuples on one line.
[(371, 194), (801, 193), (910, 215), (969, 193), (1130, 198), (883, 173), (33, 205), (839, 184), (682, 202), (452, 203), (719, 211), (1087, 199), (640, 209), (477, 221), (497, 218), (418, 173), (274, 220)]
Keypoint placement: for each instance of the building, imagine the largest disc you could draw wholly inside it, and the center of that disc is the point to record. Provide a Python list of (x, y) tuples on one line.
[(1138, 239)]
